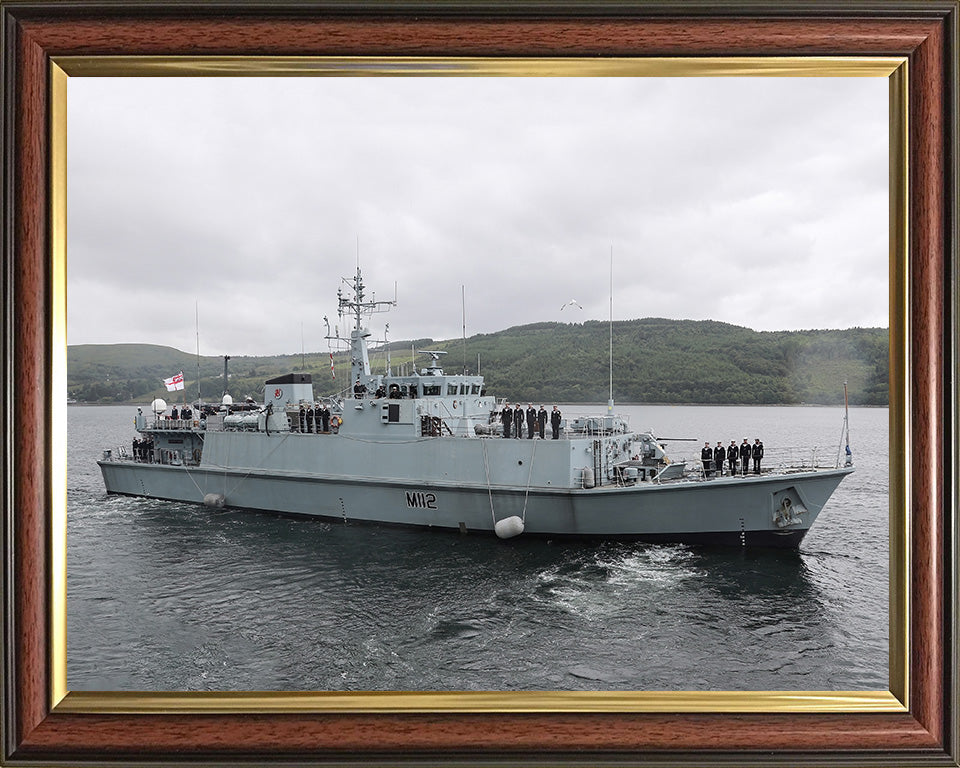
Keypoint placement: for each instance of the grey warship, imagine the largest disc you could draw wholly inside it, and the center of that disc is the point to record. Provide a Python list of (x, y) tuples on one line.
[(423, 449)]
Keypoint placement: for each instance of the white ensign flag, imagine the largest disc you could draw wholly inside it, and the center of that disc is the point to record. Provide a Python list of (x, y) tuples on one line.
[(174, 382)]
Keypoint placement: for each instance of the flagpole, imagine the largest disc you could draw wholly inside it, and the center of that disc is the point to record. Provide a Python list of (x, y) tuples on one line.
[(848, 461)]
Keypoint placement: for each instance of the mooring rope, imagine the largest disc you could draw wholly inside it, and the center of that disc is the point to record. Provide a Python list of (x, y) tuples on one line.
[(283, 439), (486, 468), (193, 480), (533, 455)]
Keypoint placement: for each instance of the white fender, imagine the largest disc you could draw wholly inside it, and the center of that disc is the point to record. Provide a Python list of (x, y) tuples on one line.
[(214, 500), (508, 527)]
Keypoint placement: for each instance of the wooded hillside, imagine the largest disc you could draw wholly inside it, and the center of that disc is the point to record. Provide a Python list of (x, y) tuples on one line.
[(655, 361)]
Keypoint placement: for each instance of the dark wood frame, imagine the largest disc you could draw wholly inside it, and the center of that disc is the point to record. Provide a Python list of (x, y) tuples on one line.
[(924, 32)]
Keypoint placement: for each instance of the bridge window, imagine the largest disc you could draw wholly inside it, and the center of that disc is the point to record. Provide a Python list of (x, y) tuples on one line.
[(475, 389), (431, 389), (451, 389)]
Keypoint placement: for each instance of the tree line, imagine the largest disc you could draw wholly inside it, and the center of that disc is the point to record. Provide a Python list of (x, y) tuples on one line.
[(655, 360)]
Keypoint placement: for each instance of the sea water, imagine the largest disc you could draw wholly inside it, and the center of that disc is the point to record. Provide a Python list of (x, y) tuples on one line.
[(170, 596)]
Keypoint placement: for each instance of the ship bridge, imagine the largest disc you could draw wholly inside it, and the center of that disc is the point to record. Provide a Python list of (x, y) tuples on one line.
[(433, 385), (431, 381), (441, 403)]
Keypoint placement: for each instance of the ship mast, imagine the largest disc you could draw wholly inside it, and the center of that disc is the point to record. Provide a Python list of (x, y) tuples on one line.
[(354, 302)]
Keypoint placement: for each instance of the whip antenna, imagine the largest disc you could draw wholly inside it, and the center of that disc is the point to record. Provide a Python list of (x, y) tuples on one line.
[(199, 399), (610, 401)]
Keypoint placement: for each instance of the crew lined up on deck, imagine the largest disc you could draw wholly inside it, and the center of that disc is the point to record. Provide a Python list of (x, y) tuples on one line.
[(186, 414), (316, 419), (513, 419), (735, 457), (143, 450)]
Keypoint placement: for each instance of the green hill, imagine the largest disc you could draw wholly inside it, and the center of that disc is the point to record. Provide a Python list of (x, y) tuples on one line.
[(655, 361)]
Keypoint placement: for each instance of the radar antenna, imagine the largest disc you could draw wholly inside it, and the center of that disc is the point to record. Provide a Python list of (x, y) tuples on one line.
[(434, 353), (355, 303), (433, 369)]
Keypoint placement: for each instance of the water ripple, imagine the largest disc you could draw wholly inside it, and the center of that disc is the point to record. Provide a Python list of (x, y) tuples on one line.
[(167, 596)]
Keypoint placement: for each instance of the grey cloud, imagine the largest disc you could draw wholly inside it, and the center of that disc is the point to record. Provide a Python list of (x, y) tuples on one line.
[(252, 197)]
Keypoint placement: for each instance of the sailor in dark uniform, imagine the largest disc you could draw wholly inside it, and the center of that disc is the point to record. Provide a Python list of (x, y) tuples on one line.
[(555, 418), (757, 455), (175, 415), (706, 458), (531, 420), (309, 412), (518, 421), (506, 419), (745, 454), (541, 420), (303, 420), (732, 458), (719, 457), (359, 390), (325, 417)]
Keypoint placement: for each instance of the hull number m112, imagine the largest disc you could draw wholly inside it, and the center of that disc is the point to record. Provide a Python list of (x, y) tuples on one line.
[(421, 500)]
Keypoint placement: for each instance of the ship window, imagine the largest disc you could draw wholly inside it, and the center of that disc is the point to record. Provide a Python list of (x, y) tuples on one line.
[(451, 389), (431, 389), (475, 389)]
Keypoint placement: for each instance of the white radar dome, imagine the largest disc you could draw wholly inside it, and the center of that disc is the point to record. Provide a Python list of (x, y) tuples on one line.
[(227, 400), (159, 405)]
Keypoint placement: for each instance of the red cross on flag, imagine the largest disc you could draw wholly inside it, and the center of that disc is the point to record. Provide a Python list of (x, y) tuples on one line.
[(174, 382)]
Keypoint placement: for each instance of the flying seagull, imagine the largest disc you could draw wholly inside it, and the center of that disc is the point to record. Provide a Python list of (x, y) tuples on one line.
[(572, 302)]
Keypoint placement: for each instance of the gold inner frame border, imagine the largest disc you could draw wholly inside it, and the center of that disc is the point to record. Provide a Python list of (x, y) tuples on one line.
[(893, 700)]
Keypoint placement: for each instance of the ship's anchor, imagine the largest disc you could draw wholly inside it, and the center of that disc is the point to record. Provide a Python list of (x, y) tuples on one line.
[(788, 513)]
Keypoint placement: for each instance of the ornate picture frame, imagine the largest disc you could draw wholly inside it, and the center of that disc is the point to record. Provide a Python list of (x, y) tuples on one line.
[(47, 42)]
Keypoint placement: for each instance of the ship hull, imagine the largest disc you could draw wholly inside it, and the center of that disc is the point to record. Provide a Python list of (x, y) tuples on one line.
[(723, 511)]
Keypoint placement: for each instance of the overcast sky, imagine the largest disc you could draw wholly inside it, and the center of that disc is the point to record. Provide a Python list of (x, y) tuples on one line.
[(756, 201)]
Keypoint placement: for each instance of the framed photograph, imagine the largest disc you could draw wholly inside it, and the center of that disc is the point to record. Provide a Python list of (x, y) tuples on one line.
[(47, 45)]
